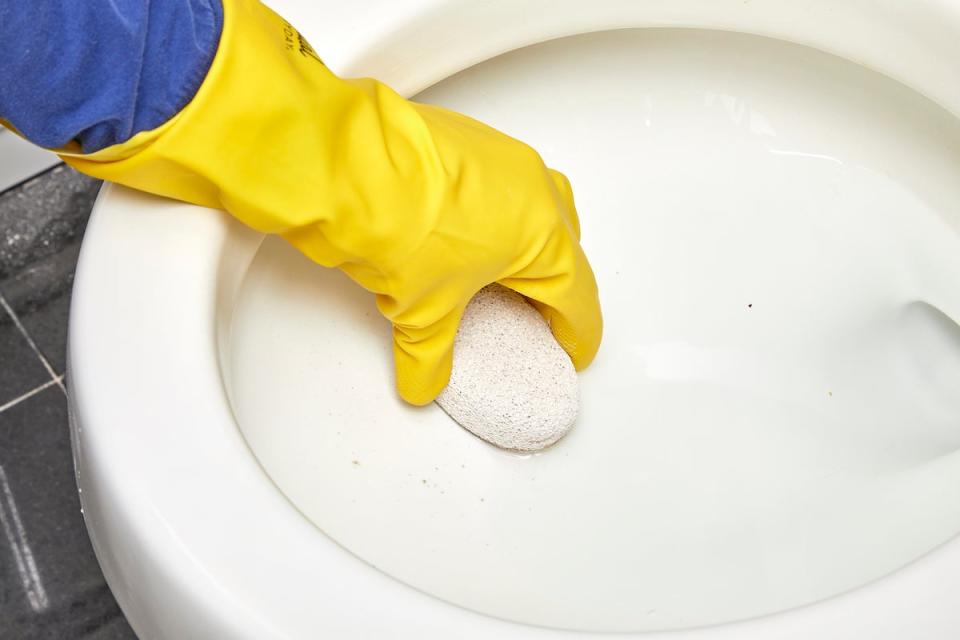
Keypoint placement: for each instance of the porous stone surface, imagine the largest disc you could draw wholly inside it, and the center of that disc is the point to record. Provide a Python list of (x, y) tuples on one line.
[(512, 384)]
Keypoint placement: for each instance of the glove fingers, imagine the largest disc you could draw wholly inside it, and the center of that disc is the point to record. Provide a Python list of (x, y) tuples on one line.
[(567, 299), (423, 357)]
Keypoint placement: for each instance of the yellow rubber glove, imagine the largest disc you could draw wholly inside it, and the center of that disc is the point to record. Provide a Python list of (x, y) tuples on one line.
[(417, 204)]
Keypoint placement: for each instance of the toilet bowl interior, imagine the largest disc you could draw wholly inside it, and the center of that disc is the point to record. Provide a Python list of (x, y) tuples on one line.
[(772, 418)]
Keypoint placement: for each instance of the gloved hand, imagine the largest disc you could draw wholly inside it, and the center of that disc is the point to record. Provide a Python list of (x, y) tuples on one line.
[(417, 204)]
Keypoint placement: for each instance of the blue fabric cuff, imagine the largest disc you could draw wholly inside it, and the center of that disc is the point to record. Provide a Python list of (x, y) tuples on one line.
[(100, 71)]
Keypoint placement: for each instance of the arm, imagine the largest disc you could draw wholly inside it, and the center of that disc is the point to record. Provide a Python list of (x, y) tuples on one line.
[(419, 205), (96, 72)]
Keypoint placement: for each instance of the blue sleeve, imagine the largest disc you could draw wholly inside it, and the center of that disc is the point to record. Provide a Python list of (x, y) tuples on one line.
[(99, 71)]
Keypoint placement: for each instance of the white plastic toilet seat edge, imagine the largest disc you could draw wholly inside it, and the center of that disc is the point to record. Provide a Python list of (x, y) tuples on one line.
[(163, 478)]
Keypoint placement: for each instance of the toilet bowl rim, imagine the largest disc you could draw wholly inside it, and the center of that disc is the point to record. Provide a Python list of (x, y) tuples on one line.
[(395, 49)]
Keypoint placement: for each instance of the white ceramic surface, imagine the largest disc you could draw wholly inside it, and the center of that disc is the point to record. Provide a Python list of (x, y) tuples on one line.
[(772, 416), (198, 543), (20, 160)]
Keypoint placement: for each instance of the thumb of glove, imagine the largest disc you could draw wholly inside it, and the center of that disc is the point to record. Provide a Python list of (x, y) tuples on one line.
[(423, 357)]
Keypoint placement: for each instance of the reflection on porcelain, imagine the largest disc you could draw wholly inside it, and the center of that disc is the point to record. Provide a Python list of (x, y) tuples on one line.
[(805, 154)]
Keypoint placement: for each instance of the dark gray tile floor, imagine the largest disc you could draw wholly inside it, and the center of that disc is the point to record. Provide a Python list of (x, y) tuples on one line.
[(50, 584)]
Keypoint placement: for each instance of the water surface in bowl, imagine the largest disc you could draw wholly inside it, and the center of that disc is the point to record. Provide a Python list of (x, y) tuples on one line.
[(774, 416)]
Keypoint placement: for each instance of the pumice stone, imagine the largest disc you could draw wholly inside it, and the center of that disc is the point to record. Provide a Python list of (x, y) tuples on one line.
[(512, 384)]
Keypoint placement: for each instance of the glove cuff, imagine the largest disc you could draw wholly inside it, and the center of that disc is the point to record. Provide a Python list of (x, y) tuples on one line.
[(238, 144)]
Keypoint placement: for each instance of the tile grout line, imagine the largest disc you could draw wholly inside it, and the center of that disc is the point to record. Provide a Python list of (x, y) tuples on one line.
[(22, 553), (31, 393), (33, 345)]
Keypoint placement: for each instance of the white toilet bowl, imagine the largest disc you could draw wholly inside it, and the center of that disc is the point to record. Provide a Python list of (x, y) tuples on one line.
[(768, 445)]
